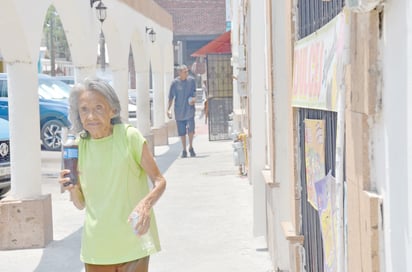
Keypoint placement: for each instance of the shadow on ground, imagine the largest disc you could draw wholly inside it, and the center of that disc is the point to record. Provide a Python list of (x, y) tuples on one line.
[(62, 255), (165, 160)]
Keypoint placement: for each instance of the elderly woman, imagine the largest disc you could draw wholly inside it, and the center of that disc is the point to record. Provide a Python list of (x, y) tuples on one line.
[(114, 162)]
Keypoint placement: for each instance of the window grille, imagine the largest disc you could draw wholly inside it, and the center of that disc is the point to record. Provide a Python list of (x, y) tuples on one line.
[(311, 229), (313, 14)]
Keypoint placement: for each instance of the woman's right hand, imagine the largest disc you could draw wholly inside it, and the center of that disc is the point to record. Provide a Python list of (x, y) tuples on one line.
[(64, 180), (75, 190)]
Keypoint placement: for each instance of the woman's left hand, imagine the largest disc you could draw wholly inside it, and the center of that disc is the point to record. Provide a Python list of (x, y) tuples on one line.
[(144, 207), (143, 223)]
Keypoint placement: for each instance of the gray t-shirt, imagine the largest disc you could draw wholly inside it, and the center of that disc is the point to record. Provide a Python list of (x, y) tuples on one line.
[(180, 91)]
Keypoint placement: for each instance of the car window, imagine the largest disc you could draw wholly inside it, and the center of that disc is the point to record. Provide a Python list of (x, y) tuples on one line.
[(3, 88)]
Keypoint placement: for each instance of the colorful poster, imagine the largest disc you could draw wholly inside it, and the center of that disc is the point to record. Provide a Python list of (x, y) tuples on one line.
[(326, 199), (318, 66), (314, 156)]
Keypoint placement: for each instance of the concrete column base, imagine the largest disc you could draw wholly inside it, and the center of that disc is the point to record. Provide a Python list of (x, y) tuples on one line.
[(172, 128), (150, 142), (160, 135), (26, 223)]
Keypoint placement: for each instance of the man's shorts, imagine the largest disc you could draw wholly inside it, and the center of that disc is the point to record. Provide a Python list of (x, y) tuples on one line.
[(185, 126)]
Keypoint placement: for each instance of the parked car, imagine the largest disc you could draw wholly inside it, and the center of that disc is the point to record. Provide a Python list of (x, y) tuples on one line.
[(132, 102), (69, 80), (53, 106), (132, 96), (4, 157), (131, 107)]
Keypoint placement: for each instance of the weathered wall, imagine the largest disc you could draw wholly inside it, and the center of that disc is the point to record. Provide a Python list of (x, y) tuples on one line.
[(362, 106)]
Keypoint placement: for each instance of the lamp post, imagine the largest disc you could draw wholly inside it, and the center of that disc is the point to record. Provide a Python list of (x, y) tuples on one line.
[(101, 11), (102, 51), (101, 14), (151, 33)]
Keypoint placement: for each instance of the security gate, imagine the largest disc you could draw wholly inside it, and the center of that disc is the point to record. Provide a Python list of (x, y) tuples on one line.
[(313, 14), (311, 229), (220, 95)]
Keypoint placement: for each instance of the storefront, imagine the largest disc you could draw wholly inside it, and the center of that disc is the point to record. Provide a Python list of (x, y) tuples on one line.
[(318, 88)]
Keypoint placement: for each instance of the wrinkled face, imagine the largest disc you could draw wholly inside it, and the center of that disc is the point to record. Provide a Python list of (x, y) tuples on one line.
[(183, 73), (95, 114)]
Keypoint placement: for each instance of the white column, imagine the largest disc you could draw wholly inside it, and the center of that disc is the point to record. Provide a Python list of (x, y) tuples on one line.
[(235, 56), (158, 100), (409, 133), (24, 130), (121, 86), (168, 72), (168, 78), (257, 116), (143, 103), (80, 73)]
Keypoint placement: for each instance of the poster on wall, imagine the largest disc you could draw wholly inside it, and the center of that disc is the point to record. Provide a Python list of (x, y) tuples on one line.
[(314, 156), (318, 67), (326, 199)]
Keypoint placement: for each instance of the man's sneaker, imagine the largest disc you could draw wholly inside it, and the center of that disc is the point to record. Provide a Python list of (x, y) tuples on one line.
[(184, 154), (192, 152)]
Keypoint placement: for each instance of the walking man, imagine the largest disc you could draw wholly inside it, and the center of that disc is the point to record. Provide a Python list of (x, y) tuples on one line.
[(183, 92)]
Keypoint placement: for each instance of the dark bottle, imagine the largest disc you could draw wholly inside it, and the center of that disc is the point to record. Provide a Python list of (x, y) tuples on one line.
[(70, 157)]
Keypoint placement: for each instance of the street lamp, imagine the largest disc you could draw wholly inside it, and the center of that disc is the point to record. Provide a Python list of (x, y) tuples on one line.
[(101, 13), (101, 10), (151, 33)]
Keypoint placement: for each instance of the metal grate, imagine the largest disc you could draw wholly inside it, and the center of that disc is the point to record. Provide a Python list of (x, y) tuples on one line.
[(219, 110), (219, 75), (311, 230), (220, 95), (313, 14)]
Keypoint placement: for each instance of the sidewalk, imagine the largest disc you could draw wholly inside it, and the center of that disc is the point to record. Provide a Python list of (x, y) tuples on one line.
[(204, 217)]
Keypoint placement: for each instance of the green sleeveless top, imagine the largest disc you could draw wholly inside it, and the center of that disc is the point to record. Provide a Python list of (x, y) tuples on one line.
[(113, 182)]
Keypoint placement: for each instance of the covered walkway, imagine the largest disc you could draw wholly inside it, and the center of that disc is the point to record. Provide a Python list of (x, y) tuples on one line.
[(125, 30)]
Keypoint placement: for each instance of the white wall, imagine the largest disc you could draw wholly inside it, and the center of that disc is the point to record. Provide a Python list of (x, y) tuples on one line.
[(283, 120), (391, 154), (408, 238), (257, 92)]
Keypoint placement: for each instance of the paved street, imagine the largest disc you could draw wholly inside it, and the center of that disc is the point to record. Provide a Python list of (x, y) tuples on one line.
[(204, 217)]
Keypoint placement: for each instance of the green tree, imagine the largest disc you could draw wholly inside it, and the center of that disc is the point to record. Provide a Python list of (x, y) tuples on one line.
[(54, 37)]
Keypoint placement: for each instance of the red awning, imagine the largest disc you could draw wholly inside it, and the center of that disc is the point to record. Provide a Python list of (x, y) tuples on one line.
[(220, 45)]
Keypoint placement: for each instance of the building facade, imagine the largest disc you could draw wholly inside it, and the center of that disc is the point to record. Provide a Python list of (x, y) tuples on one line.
[(321, 91), (195, 23)]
